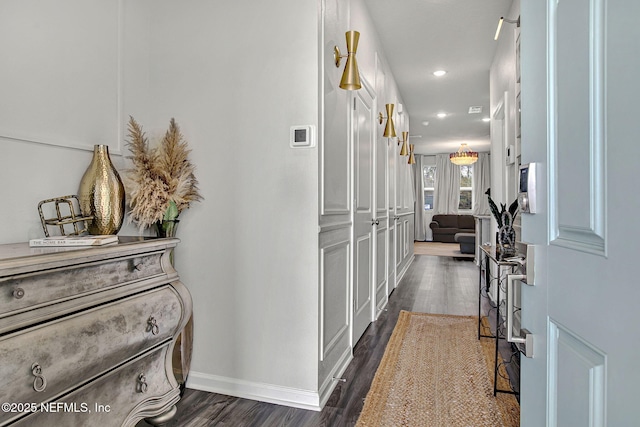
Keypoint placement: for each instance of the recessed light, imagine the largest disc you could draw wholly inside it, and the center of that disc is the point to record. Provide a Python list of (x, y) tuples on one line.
[(425, 123), (442, 115), (486, 119), (439, 73)]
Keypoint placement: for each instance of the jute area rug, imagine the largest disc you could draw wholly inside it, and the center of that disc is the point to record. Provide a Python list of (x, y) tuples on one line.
[(434, 373)]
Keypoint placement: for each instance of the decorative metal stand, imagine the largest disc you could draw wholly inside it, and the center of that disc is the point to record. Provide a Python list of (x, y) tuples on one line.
[(489, 256), (64, 218)]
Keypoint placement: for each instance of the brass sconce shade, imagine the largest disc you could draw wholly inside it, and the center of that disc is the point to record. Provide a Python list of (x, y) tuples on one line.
[(412, 159), (405, 138), (389, 128), (351, 76)]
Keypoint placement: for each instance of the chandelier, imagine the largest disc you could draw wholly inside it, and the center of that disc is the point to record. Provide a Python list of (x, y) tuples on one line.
[(464, 156)]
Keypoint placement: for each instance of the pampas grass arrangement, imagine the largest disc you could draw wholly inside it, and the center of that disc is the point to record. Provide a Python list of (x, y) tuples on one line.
[(161, 183)]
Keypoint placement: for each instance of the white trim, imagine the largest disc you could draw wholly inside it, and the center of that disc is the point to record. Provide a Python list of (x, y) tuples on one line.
[(344, 329), (287, 396), (591, 239), (330, 383), (404, 269), (595, 362)]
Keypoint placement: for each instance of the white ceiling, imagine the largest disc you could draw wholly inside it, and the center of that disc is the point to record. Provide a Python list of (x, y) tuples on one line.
[(422, 36)]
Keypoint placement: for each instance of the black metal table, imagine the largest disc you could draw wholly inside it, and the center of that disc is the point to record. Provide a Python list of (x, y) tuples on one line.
[(488, 256)]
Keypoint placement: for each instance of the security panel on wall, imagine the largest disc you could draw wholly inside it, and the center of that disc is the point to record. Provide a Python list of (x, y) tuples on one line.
[(527, 188), (302, 136)]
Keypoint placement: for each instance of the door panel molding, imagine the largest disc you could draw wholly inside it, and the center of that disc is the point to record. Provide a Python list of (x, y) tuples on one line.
[(364, 246), (579, 222), (334, 295), (575, 366), (362, 131)]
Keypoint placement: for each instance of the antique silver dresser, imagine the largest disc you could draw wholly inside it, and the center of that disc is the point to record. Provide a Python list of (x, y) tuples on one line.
[(87, 334)]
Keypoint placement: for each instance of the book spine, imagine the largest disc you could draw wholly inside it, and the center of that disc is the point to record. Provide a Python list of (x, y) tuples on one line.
[(84, 242)]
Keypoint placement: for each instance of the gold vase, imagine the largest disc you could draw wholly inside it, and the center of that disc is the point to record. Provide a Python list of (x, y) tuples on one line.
[(101, 194)]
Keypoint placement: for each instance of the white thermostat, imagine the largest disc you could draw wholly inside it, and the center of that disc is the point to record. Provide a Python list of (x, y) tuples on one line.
[(302, 136)]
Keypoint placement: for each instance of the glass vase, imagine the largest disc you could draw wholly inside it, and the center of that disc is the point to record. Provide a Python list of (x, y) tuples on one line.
[(167, 228), (181, 356)]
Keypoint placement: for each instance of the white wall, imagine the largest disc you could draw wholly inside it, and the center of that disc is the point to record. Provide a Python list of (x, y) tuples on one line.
[(502, 80), (235, 82), (235, 78), (59, 98)]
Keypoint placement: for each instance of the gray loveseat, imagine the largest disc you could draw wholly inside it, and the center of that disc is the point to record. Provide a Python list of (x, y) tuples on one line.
[(445, 227)]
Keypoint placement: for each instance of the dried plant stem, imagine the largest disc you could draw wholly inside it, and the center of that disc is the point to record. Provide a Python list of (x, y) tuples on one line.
[(158, 176)]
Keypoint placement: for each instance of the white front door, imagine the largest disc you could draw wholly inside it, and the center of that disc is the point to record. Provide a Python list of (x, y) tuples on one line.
[(580, 124), (364, 211)]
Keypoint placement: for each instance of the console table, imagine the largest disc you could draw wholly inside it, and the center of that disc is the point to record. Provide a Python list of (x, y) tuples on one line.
[(488, 257), (87, 333)]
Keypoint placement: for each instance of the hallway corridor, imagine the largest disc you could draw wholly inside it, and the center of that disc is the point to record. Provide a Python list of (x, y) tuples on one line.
[(432, 284)]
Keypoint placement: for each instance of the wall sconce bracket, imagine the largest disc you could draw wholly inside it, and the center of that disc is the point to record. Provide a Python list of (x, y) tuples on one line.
[(337, 56)]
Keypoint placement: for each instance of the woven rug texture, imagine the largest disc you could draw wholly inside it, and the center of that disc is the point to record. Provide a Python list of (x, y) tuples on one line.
[(434, 373)]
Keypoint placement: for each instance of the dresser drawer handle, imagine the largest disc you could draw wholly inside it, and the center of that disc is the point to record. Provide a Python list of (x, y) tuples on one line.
[(40, 382), (142, 383), (152, 325), (18, 293)]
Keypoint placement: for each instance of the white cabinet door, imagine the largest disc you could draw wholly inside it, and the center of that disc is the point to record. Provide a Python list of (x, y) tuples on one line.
[(362, 125)]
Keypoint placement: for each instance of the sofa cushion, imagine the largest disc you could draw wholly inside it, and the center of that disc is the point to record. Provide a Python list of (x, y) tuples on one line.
[(446, 226), (451, 231), (446, 221), (466, 222)]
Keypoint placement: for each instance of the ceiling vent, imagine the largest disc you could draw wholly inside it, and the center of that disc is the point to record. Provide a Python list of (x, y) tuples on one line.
[(475, 110)]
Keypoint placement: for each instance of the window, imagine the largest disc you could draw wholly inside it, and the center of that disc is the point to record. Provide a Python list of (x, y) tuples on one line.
[(466, 188), (429, 184)]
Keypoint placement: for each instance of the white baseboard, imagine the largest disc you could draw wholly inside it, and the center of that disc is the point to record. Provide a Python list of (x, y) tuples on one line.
[(297, 398), (330, 384), (404, 269)]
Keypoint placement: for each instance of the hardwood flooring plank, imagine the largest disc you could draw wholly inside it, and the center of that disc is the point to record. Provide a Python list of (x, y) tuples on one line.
[(432, 284)]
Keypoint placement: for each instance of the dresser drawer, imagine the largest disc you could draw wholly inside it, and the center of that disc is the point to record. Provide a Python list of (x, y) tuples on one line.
[(42, 362), (19, 293), (109, 400)]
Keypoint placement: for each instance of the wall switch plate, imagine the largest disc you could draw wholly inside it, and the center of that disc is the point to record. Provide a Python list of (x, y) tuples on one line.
[(510, 155)]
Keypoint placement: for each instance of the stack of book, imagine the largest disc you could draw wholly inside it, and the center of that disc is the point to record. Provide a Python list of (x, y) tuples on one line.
[(87, 240)]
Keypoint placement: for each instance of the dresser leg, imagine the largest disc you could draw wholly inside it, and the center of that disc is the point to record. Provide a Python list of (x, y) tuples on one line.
[(162, 419)]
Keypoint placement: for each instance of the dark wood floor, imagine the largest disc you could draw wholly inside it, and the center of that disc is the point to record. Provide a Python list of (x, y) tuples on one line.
[(431, 284)]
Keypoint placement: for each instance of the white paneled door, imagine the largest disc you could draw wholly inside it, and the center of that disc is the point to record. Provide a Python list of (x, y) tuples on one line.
[(364, 211), (382, 221), (583, 309)]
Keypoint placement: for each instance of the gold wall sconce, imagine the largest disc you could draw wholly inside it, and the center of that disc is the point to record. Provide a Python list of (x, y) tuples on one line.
[(404, 140), (351, 76), (389, 128), (412, 159)]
